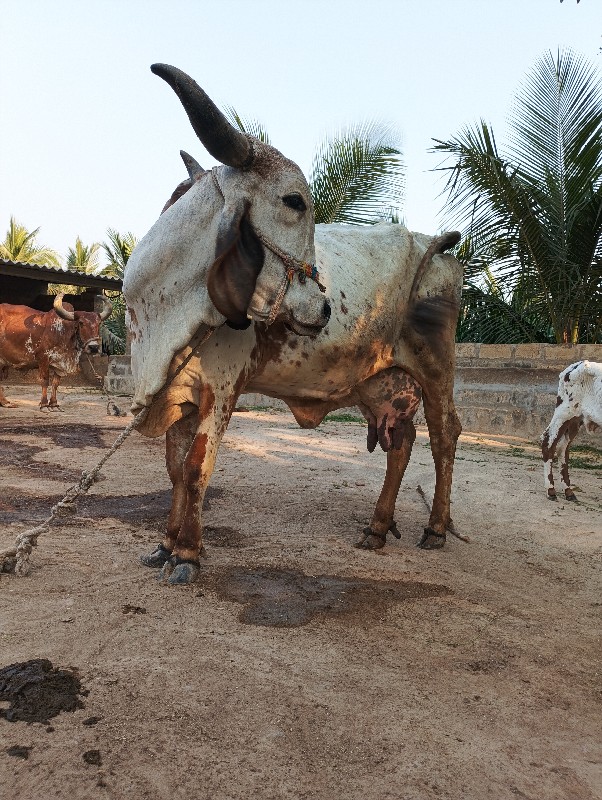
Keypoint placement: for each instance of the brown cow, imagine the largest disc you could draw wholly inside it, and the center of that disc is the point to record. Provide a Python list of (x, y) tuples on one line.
[(51, 340)]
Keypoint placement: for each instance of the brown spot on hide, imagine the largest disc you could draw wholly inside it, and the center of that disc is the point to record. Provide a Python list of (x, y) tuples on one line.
[(545, 448), (401, 403), (564, 472), (194, 459), (567, 377), (207, 399), (558, 400), (343, 295), (344, 309)]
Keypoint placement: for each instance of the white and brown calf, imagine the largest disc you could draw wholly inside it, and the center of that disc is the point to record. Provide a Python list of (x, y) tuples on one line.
[(579, 404)]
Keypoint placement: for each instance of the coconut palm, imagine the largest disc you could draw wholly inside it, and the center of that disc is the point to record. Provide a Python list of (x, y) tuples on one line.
[(540, 197), (20, 245), (83, 258), (118, 250), (356, 175)]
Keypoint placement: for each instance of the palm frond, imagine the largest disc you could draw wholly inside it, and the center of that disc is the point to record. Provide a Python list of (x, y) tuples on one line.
[(83, 258), (21, 244), (250, 126), (118, 250), (357, 175)]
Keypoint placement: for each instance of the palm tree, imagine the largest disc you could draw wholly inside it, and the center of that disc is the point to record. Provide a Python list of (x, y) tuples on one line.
[(356, 175), (20, 245), (118, 250), (83, 258), (538, 201)]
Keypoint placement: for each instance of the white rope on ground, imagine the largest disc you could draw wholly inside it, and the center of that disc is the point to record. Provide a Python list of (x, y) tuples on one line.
[(17, 558)]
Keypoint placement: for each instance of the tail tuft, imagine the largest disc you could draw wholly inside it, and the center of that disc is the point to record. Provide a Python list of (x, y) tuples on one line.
[(432, 315)]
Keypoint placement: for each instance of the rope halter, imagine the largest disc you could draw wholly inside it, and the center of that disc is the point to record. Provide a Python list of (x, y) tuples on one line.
[(293, 266)]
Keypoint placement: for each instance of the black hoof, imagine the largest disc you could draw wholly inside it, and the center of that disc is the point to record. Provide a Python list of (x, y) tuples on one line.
[(571, 498), (178, 571), (431, 540), (371, 540), (552, 497), (157, 558), (184, 573)]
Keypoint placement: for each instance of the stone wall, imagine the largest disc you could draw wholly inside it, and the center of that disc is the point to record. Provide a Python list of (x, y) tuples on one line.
[(512, 388)]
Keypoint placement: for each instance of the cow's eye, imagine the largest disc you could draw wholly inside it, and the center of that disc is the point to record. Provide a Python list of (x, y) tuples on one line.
[(294, 201)]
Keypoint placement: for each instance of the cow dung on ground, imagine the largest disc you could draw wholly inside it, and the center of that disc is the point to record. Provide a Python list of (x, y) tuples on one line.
[(469, 672)]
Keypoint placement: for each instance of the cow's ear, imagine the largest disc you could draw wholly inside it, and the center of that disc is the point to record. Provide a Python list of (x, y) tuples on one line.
[(238, 261)]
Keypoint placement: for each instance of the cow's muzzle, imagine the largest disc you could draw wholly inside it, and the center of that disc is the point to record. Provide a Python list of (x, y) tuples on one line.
[(92, 346)]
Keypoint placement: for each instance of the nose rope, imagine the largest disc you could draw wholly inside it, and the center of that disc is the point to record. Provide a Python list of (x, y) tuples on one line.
[(292, 264)]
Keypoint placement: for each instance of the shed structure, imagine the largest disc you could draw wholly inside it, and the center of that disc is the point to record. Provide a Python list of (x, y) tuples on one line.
[(27, 285)]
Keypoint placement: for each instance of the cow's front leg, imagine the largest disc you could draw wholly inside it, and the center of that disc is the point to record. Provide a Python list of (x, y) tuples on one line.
[(178, 440), (53, 405), (183, 565), (375, 536), (444, 430)]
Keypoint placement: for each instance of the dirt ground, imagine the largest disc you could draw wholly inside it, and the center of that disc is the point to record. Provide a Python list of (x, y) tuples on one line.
[(298, 666)]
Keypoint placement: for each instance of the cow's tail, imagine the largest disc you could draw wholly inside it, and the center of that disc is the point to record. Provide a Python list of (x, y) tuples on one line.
[(432, 314)]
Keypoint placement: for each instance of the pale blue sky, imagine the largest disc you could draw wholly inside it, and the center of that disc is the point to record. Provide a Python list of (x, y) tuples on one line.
[(90, 138)]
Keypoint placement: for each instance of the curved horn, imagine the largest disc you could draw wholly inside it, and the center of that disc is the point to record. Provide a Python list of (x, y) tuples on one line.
[(62, 312), (195, 171), (222, 140), (107, 310)]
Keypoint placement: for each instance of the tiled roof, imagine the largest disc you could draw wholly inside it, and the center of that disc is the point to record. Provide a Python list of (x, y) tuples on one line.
[(35, 272)]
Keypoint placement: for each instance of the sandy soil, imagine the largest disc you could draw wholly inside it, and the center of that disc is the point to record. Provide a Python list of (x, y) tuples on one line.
[(298, 666)]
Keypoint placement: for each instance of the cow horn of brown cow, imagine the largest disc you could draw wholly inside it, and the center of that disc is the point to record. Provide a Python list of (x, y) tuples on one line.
[(107, 309), (228, 145), (62, 312)]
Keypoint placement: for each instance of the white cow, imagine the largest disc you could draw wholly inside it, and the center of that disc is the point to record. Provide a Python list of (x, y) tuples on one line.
[(579, 404), (234, 243)]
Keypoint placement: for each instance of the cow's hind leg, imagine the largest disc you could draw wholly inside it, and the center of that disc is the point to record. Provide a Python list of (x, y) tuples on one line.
[(374, 536), (444, 430), (557, 439), (563, 457), (44, 377), (178, 439)]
